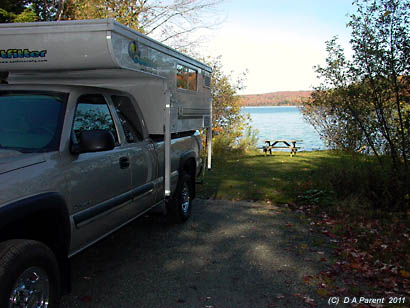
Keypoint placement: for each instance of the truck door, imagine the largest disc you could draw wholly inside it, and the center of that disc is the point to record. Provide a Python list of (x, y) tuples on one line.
[(143, 164), (100, 182)]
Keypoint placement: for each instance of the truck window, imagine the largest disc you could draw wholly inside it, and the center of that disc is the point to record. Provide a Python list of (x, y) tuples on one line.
[(129, 119), (31, 121), (93, 113)]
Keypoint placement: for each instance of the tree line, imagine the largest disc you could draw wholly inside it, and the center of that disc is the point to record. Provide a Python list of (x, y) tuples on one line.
[(280, 98)]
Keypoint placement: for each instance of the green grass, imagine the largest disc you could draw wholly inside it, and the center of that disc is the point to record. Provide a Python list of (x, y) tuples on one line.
[(309, 177), (276, 178)]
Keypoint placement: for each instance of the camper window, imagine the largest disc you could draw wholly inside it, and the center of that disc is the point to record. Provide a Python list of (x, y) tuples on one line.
[(186, 78), (207, 79)]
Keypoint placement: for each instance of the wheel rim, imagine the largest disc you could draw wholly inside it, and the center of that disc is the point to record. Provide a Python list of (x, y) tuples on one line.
[(32, 290), (185, 198)]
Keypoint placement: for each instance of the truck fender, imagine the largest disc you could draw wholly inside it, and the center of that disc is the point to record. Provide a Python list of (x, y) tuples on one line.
[(47, 202), (184, 159), (52, 207), (184, 164)]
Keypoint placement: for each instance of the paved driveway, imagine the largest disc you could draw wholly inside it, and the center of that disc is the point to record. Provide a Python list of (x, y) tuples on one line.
[(228, 255)]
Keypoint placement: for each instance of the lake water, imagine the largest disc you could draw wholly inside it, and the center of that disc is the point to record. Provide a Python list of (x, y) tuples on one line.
[(285, 123)]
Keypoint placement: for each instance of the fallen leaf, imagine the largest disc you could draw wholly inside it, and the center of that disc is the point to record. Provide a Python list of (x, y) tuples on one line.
[(332, 235), (322, 292), (405, 274), (307, 279), (309, 301), (356, 266), (86, 299)]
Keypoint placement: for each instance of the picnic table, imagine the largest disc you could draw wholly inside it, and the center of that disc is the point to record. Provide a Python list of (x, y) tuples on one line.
[(283, 144)]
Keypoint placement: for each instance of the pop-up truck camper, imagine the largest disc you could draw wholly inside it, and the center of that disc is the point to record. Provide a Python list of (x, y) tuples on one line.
[(98, 125)]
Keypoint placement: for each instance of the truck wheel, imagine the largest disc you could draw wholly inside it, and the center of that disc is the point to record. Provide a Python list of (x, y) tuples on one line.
[(29, 275), (179, 206)]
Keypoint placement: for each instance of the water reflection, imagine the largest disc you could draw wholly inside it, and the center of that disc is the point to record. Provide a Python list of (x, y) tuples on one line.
[(282, 122)]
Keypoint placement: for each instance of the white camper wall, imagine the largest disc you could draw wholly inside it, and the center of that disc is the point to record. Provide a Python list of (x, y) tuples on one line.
[(64, 46)]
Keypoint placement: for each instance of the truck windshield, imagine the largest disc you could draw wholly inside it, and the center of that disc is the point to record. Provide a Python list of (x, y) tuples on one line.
[(31, 121)]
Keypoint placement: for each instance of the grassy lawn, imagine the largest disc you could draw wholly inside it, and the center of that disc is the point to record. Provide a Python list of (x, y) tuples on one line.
[(346, 197), (276, 178)]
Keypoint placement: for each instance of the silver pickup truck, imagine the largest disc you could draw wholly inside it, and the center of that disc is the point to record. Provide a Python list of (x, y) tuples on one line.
[(76, 164), (98, 125)]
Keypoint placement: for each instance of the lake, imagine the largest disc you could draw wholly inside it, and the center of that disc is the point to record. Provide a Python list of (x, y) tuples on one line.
[(283, 122)]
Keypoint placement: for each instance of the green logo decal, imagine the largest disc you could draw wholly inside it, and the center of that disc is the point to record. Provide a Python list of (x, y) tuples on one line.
[(134, 51), (22, 53), (139, 53)]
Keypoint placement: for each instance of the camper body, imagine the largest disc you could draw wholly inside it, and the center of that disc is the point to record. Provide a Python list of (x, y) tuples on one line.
[(98, 125)]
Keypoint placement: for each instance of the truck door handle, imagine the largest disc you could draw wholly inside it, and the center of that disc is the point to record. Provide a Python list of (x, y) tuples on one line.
[(124, 162)]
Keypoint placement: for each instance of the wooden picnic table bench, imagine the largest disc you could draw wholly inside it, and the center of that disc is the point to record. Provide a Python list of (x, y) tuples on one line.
[(288, 144)]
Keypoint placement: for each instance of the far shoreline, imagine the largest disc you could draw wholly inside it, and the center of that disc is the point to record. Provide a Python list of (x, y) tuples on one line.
[(271, 105)]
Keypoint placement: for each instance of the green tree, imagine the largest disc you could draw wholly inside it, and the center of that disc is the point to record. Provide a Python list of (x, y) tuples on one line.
[(230, 126), (381, 45), (50, 10), (370, 92), (27, 15), (13, 6), (16, 11), (365, 101), (6, 16), (336, 108)]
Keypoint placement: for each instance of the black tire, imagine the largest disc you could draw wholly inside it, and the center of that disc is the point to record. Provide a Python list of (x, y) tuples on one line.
[(179, 207), (24, 259)]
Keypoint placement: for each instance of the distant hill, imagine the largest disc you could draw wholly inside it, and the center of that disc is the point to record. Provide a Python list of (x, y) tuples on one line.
[(282, 98)]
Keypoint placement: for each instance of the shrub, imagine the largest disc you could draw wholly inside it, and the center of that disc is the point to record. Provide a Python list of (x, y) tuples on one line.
[(361, 177)]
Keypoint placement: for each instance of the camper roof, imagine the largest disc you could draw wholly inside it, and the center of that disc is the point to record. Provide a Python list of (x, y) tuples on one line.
[(83, 44)]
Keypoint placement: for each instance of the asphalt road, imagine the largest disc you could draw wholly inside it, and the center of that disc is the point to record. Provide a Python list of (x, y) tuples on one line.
[(228, 255)]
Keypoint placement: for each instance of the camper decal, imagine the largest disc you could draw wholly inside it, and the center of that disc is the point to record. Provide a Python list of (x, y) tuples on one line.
[(22, 53), (139, 53), (134, 51)]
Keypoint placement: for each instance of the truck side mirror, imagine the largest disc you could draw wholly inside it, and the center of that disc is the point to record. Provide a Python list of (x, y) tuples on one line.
[(94, 141)]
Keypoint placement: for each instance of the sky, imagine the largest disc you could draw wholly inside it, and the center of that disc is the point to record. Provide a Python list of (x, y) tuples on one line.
[(278, 41)]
